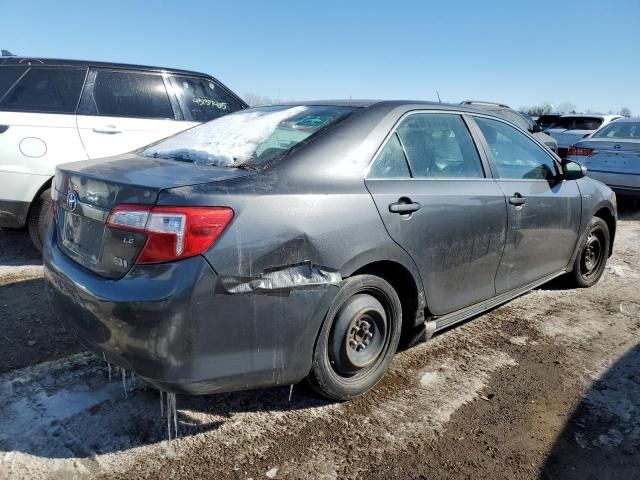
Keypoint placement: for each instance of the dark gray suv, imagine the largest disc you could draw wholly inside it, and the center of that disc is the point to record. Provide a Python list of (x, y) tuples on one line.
[(307, 240)]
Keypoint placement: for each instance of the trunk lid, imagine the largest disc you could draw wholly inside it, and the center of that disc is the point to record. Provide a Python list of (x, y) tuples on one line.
[(87, 191), (614, 156)]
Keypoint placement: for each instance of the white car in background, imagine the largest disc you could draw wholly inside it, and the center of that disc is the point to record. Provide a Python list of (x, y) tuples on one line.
[(58, 111), (572, 128)]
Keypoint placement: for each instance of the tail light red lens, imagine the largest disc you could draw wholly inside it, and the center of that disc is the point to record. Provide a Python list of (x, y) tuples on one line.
[(172, 232), (579, 151)]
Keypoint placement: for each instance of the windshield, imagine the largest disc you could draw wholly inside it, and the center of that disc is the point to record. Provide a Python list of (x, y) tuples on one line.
[(620, 130), (249, 137)]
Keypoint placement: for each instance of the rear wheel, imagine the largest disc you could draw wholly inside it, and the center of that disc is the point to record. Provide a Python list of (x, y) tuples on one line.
[(592, 256), (358, 338), (39, 218)]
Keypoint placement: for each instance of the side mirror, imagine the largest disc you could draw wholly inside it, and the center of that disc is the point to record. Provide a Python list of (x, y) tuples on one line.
[(573, 170), (536, 128)]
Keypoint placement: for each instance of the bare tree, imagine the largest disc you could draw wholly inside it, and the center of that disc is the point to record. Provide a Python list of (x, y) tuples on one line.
[(625, 112), (538, 110), (566, 107), (257, 100)]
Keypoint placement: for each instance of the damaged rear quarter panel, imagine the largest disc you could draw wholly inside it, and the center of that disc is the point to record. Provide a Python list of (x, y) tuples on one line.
[(282, 259)]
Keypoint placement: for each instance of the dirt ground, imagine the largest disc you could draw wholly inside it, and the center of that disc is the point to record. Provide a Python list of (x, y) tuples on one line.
[(546, 386)]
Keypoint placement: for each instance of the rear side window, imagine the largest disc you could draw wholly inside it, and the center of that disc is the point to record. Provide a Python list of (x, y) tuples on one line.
[(126, 94), (515, 154), (440, 146), (391, 162), (46, 90), (8, 76), (201, 99)]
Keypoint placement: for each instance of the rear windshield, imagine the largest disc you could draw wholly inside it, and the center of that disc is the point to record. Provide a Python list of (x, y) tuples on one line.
[(248, 137), (620, 130), (544, 121), (577, 123)]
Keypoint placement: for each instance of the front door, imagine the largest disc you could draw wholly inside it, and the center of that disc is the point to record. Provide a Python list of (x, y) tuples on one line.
[(430, 187), (544, 210)]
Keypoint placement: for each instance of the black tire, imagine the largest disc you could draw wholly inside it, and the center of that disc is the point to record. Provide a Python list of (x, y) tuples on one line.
[(358, 338), (39, 218), (592, 255)]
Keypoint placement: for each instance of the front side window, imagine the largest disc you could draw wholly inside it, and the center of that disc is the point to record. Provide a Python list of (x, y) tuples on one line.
[(126, 94), (46, 90), (390, 162), (440, 146), (249, 137), (201, 99), (515, 154)]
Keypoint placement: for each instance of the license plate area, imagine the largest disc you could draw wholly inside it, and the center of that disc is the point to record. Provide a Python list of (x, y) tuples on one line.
[(82, 236)]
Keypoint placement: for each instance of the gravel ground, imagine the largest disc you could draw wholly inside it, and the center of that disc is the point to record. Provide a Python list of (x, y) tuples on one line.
[(547, 386)]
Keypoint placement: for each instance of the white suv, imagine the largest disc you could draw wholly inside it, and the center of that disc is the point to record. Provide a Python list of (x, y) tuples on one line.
[(58, 111)]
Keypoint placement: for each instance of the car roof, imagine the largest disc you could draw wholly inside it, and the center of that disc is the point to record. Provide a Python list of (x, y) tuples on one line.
[(58, 62), (485, 104), (390, 104)]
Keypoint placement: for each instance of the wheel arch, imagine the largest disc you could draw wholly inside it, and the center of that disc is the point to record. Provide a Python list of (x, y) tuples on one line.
[(609, 218), (408, 288), (47, 184)]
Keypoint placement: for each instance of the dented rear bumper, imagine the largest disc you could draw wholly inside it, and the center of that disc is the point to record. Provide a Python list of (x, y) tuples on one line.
[(185, 329)]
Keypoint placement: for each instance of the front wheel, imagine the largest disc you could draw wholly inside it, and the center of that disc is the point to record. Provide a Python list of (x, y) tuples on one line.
[(592, 256), (358, 339)]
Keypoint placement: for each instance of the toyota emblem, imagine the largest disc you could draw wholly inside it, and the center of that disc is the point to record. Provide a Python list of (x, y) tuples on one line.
[(72, 201)]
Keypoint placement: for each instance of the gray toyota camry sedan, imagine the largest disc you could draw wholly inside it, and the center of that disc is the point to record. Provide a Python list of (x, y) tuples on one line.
[(306, 241)]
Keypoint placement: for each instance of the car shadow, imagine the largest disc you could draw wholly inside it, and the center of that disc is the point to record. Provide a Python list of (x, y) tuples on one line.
[(30, 331), (17, 249), (601, 438), (628, 207)]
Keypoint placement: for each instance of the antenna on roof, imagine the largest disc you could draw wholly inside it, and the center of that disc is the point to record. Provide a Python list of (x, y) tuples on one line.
[(7, 53), (438, 96)]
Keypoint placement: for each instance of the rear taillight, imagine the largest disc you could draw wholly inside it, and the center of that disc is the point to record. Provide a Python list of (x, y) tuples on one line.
[(579, 151), (172, 232)]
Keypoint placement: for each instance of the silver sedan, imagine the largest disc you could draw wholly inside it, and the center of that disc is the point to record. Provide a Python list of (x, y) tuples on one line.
[(612, 155)]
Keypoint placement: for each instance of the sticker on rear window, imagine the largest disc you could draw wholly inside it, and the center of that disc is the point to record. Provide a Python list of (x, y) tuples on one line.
[(210, 102)]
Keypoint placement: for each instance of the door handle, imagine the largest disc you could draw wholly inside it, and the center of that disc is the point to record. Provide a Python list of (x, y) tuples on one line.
[(517, 199), (107, 129), (404, 206)]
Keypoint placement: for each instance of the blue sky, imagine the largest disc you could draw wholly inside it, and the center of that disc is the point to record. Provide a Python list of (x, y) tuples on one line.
[(518, 52)]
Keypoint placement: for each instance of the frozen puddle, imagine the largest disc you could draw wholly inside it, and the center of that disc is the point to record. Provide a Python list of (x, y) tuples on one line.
[(66, 419), (63, 416)]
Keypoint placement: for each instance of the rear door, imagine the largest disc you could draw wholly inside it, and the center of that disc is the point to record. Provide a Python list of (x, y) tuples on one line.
[(37, 126), (438, 201), (122, 110), (543, 209)]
